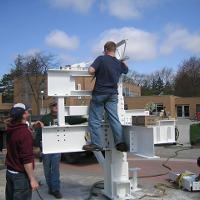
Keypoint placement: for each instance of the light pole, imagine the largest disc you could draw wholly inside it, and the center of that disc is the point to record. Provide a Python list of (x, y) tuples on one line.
[(42, 94)]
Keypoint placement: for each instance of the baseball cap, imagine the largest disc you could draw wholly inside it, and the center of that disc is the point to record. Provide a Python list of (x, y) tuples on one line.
[(18, 110), (21, 105), (54, 103)]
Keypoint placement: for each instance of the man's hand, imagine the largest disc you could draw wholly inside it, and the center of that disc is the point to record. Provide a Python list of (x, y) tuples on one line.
[(124, 63), (91, 70), (38, 124), (29, 170), (34, 184)]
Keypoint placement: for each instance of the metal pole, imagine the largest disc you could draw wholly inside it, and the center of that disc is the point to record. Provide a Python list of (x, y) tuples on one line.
[(42, 93)]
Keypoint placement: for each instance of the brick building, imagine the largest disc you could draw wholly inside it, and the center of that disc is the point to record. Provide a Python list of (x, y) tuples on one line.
[(183, 107), (23, 93), (4, 106)]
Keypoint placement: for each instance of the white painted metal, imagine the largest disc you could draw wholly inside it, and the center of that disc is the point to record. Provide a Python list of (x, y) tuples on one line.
[(61, 82), (137, 112), (164, 132), (100, 158), (117, 185), (133, 179), (61, 111), (121, 111), (80, 66), (68, 138), (140, 140), (76, 110)]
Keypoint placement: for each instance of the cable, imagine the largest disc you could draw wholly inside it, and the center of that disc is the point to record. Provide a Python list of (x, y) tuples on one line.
[(39, 195), (159, 186), (95, 186), (162, 188), (164, 164)]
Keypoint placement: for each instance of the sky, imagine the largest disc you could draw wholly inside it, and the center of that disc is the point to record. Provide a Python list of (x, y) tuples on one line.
[(159, 33)]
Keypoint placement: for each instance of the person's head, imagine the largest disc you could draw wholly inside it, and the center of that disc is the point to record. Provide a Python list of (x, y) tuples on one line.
[(19, 113), (110, 48), (53, 108)]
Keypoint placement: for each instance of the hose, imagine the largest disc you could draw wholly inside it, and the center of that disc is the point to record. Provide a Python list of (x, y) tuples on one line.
[(39, 195)]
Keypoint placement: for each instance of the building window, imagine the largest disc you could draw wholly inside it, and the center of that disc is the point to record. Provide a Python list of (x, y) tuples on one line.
[(78, 86), (127, 92), (183, 111), (159, 107), (197, 107), (131, 94)]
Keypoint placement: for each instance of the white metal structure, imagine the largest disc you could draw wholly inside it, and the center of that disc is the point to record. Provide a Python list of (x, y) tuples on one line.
[(71, 138), (164, 131)]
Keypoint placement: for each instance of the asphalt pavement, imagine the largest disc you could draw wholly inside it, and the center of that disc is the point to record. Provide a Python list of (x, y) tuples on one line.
[(77, 179)]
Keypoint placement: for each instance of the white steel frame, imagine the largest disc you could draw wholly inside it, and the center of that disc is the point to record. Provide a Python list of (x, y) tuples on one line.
[(71, 138)]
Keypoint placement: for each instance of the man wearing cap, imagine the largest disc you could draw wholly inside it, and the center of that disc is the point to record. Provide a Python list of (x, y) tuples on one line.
[(51, 162), (20, 178), (107, 70)]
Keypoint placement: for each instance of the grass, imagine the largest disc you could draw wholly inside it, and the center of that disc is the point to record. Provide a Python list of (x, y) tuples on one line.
[(195, 133)]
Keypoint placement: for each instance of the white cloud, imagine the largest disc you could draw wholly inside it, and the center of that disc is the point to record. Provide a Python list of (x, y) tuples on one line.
[(60, 39), (65, 59), (29, 52), (141, 44), (79, 5), (123, 9), (32, 52), (127, 9), (180, 38)]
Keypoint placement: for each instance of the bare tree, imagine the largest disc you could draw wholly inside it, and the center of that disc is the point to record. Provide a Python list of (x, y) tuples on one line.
[(32, 70), (166, 74), (158, 82), (187, 80)]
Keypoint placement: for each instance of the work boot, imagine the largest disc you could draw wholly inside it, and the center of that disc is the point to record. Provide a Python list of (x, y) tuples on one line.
[(121, 147), (92, 147), (56, 194)]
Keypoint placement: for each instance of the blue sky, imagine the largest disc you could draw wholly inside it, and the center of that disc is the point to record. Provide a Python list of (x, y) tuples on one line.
[(160, 32)]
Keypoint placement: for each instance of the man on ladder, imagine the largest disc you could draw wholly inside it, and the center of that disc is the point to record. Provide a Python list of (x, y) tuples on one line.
[(107, 70)]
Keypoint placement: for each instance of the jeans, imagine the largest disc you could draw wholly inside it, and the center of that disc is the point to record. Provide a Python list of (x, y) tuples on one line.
[(18, 187), (97, 106), (51, 164)]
